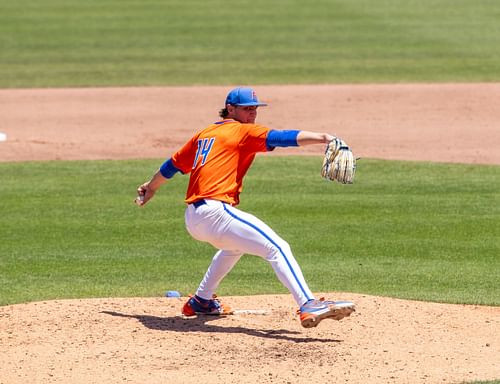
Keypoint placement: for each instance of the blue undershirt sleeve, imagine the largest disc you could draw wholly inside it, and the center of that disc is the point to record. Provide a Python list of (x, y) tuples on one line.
[(168, 169), (285, 138)]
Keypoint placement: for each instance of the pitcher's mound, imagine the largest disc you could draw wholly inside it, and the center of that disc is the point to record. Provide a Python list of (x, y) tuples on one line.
[(145, 340)]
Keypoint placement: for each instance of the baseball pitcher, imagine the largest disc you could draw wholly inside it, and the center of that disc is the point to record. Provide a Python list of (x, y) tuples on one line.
[(217, 159)]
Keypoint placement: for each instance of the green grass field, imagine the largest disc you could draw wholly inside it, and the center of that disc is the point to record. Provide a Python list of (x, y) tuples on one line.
[(62, 43), (410, 230), (484, 382)]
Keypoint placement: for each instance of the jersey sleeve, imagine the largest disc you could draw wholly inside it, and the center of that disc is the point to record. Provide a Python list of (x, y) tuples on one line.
[(183, 159), (254, 138)]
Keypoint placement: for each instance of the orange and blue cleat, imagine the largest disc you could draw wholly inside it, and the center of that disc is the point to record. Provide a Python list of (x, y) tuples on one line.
[(314, 311), (199, 306)]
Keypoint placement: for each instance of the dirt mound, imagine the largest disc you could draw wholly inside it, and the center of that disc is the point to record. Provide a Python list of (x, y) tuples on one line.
[(143, 340)]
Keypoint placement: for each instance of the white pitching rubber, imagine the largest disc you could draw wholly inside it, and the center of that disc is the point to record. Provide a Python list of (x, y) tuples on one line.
[(250, 312)]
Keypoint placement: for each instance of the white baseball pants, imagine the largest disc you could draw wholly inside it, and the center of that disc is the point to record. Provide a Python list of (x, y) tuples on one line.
[(235, 233)]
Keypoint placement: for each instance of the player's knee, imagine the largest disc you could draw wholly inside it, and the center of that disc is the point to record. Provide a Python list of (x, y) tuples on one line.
[(277, 249)]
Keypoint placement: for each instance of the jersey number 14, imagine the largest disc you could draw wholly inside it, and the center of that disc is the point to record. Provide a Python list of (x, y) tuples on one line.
[(204, 147)]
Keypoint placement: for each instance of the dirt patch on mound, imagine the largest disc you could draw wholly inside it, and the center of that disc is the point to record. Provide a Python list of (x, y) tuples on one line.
[(143, 340)]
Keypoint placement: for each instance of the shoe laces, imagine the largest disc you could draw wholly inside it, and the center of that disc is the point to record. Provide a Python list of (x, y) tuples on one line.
[(321, 299), (213, 303)]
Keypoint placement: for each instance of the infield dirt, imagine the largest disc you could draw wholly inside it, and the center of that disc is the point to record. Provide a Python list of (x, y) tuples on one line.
[(143, 340)]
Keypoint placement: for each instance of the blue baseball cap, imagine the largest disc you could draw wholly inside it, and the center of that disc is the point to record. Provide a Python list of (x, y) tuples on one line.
[(243, 97)]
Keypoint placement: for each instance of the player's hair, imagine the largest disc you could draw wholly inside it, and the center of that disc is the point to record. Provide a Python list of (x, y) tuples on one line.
[(223, 113)]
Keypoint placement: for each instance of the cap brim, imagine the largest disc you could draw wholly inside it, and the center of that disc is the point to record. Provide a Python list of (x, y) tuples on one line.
[(251, 104)]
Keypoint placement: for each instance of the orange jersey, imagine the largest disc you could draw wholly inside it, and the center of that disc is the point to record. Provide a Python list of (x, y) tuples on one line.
[(218, 157)]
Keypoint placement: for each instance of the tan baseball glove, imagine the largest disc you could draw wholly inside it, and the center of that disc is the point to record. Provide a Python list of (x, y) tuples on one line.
[(339, 163)]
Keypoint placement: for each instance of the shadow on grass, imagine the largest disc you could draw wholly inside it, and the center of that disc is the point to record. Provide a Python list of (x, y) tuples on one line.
[(201, 324)]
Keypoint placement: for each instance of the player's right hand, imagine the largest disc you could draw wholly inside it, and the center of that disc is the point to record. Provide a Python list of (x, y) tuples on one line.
[(144, 194)]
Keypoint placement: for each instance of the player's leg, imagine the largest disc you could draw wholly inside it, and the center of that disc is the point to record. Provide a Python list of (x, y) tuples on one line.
[(204, 302), (229, 228), (203, 223), (251, 235), (222, 263)]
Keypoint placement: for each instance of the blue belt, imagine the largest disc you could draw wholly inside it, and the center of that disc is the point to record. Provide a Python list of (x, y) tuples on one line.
[(199, 203)]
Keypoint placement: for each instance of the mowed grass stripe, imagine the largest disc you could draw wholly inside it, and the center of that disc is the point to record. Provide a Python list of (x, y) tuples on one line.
[(58, 43), (412, 230)]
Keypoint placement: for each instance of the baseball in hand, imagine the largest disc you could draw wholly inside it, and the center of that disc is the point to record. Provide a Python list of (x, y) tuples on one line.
[(139, 200)]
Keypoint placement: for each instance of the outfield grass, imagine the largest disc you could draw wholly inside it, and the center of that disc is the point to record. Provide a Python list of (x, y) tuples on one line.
[(404, 229), (123, 42), (482, 382)]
